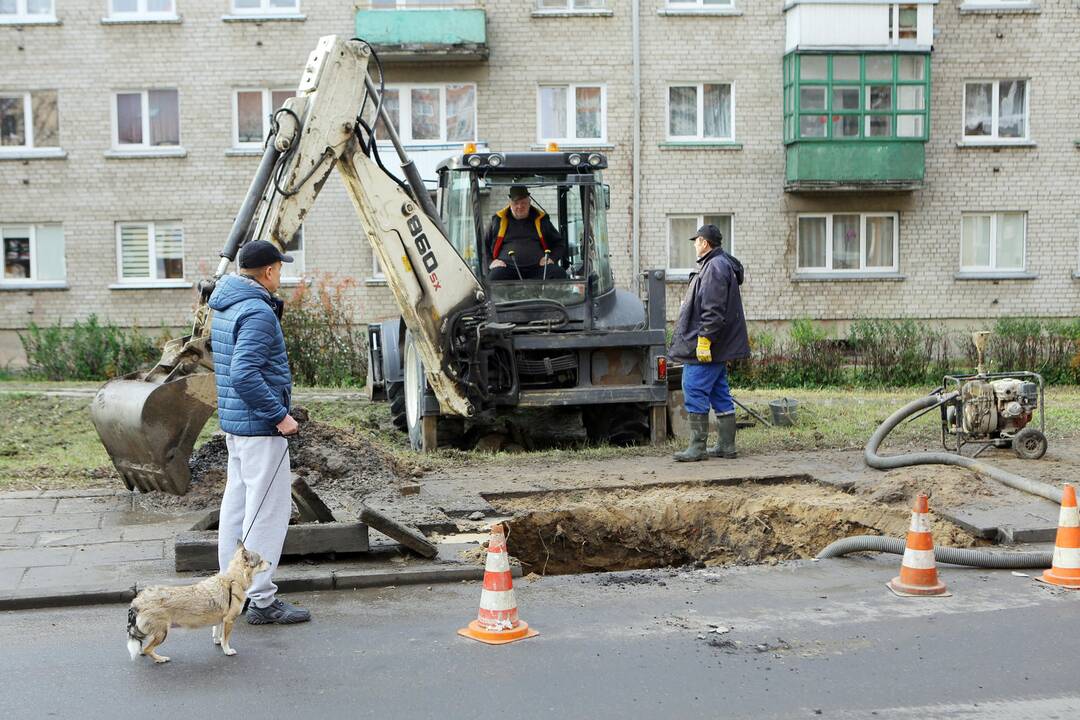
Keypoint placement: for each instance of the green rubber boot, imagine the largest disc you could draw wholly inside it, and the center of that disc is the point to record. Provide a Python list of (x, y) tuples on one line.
[(699, 438), (725, 440)]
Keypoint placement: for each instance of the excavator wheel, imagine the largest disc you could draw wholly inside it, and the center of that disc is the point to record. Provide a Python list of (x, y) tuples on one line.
[(395, 394), (622, 425)]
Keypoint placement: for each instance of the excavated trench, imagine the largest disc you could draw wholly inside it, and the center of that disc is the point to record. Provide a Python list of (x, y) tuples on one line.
[(752, 522)]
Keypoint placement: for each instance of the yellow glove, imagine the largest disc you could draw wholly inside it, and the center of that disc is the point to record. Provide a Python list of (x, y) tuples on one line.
[(704, 349)]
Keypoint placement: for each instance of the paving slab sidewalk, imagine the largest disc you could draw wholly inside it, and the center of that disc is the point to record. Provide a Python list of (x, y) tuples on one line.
[(78, 547)]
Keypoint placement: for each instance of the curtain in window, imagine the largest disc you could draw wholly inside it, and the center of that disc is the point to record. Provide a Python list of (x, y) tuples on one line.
[(812, 242), (249, 117), (426, 114), (680, 250), (49, 252), (295, 249), (134, 252), (588, 121), (391, 105), (12, 121), (46, 118), (553, 112), (977, 113), (1010, 242), (717, 111), (165, 117), (682, 111), (1011, 98), (460, 112), (169, 248), (975, 241), (129, 118), (845, 247), (879, 242), (724, 223)]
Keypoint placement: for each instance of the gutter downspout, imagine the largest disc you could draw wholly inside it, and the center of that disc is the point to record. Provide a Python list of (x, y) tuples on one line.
[(635, 210)]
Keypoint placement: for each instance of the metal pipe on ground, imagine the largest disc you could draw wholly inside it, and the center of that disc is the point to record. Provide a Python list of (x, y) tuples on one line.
[(950, 555)]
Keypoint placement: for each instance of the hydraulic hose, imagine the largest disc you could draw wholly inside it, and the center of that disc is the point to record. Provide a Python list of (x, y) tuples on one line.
[(950, 555), (946, 458)]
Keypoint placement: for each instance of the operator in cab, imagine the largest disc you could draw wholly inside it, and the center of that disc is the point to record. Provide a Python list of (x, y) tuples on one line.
[(522, 243)]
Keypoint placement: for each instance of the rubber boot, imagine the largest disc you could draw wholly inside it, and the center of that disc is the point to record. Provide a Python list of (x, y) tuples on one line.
[(699, 438), (725, 437)]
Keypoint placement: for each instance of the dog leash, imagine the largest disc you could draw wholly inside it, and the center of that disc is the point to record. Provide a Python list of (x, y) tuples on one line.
[(247, 600)]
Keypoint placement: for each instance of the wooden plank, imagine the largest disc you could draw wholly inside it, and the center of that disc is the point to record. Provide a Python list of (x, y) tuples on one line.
[(429, 440), (310, 505), (391, 528), (658, 425)]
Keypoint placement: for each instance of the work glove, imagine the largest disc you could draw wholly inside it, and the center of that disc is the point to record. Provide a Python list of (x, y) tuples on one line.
[(704, 349)]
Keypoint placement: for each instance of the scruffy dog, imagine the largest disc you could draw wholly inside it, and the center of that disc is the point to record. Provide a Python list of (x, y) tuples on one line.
[(216, 601)]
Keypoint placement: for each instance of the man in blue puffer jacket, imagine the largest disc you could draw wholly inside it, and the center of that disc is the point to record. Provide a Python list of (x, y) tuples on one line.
[(254, 388)]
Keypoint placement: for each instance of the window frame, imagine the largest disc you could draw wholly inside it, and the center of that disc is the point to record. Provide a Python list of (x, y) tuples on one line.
[(28, 122), (23, 15), (288, 274), (142, 13), (995, 113), (863, 268), (700, 136), (33, 279), (699, 5), (264, 9), (699, 219), (152, 279), (404, 91), (992, 268), (267, 110), (570, 6), (144, 108), (571, 118)]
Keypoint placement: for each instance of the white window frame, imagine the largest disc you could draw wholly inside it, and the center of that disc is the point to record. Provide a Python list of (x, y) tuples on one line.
[(412, 5), (377, 272), (145, 145), (992, 267), (33, 256), (700, 5), (288, 270), (700, 136), (267, 109), (404, 91), (995, 111), (569, 6), (28, 123), (264, 9), (571, 117), (23, 15), (151, 254), (699, 220), (141, 13), (863, 268)]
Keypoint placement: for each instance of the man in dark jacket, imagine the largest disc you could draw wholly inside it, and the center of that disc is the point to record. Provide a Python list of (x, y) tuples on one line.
[(254, 387), (522, 244), (711, 330)]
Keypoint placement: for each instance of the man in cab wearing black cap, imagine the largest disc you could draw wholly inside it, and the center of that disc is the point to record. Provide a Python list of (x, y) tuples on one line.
[(522, 244)]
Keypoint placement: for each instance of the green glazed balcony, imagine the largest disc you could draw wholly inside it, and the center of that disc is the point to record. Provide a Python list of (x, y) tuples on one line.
[(421, 35), (864, 165)]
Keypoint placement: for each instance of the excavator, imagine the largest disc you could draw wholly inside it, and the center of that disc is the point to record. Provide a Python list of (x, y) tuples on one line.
[(463, 348)]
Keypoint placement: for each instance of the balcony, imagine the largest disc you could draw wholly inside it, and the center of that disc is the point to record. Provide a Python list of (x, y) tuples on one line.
[(423, 31), (862, 24), (856, 121)]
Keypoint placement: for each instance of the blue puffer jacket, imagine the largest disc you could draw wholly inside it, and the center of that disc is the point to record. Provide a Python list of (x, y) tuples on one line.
[(254, 384)]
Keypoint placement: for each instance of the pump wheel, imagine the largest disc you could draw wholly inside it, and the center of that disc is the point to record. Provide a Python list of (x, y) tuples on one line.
[(1029, 444), (395, 393), (621, 425)]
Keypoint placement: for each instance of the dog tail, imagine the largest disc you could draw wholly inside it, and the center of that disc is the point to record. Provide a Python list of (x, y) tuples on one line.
[(135, 635)]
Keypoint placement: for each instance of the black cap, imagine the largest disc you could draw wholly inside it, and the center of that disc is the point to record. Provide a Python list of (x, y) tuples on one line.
[(260, 253), (711, 233), (518, 191)]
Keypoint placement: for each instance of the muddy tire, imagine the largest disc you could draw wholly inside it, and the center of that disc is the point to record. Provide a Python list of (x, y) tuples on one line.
[(395, 394), (620, 425), (1029, 444)]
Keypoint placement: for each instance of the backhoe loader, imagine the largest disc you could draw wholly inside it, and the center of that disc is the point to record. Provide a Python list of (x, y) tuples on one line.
[(463, 347)]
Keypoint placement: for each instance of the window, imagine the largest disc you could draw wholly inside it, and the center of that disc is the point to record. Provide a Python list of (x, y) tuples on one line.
[(700, 112), (150, 252), (903, 23), (570, 5), (28, 120), (32, 253), (32, 10), (703, 4), (681, 255), (856, 97), (265, 7), (295, 248), (995, 110), (252, 111), (572, 113), (848, 242), (419, 4), (150, 118), (140, 9), (993, 242), (434, 113)]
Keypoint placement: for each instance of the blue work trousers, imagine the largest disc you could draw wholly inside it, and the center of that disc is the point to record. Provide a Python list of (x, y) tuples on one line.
[(705, 386)]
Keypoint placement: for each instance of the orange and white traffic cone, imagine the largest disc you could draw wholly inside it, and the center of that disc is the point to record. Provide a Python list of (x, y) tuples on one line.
[(918, 572), (497, 622), (1065, 569)]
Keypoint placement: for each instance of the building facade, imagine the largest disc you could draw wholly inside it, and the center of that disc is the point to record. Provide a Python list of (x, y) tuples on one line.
[(864, 159)]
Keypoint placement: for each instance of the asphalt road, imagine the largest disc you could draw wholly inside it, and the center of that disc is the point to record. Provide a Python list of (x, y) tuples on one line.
[(806, 640)]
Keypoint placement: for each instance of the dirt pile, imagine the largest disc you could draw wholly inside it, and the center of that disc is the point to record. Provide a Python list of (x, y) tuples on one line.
[(630, 529), (341, 465)]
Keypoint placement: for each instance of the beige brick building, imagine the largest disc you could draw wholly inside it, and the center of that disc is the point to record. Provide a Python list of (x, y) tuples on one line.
[(866, 158)]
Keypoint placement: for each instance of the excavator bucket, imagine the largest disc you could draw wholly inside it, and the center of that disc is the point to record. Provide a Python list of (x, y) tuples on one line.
[(149, 422)]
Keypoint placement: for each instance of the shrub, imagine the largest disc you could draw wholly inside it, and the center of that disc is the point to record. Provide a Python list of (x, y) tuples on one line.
[(1050, 348), (896, 352), (326, 345), (87, 350)]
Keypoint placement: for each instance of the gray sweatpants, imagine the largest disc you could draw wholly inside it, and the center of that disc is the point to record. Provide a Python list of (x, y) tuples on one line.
[(252, 463)]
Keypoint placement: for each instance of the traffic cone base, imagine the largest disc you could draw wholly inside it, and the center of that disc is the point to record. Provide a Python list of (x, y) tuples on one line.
[(1065, 568), (476, 631), (902, 590)]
